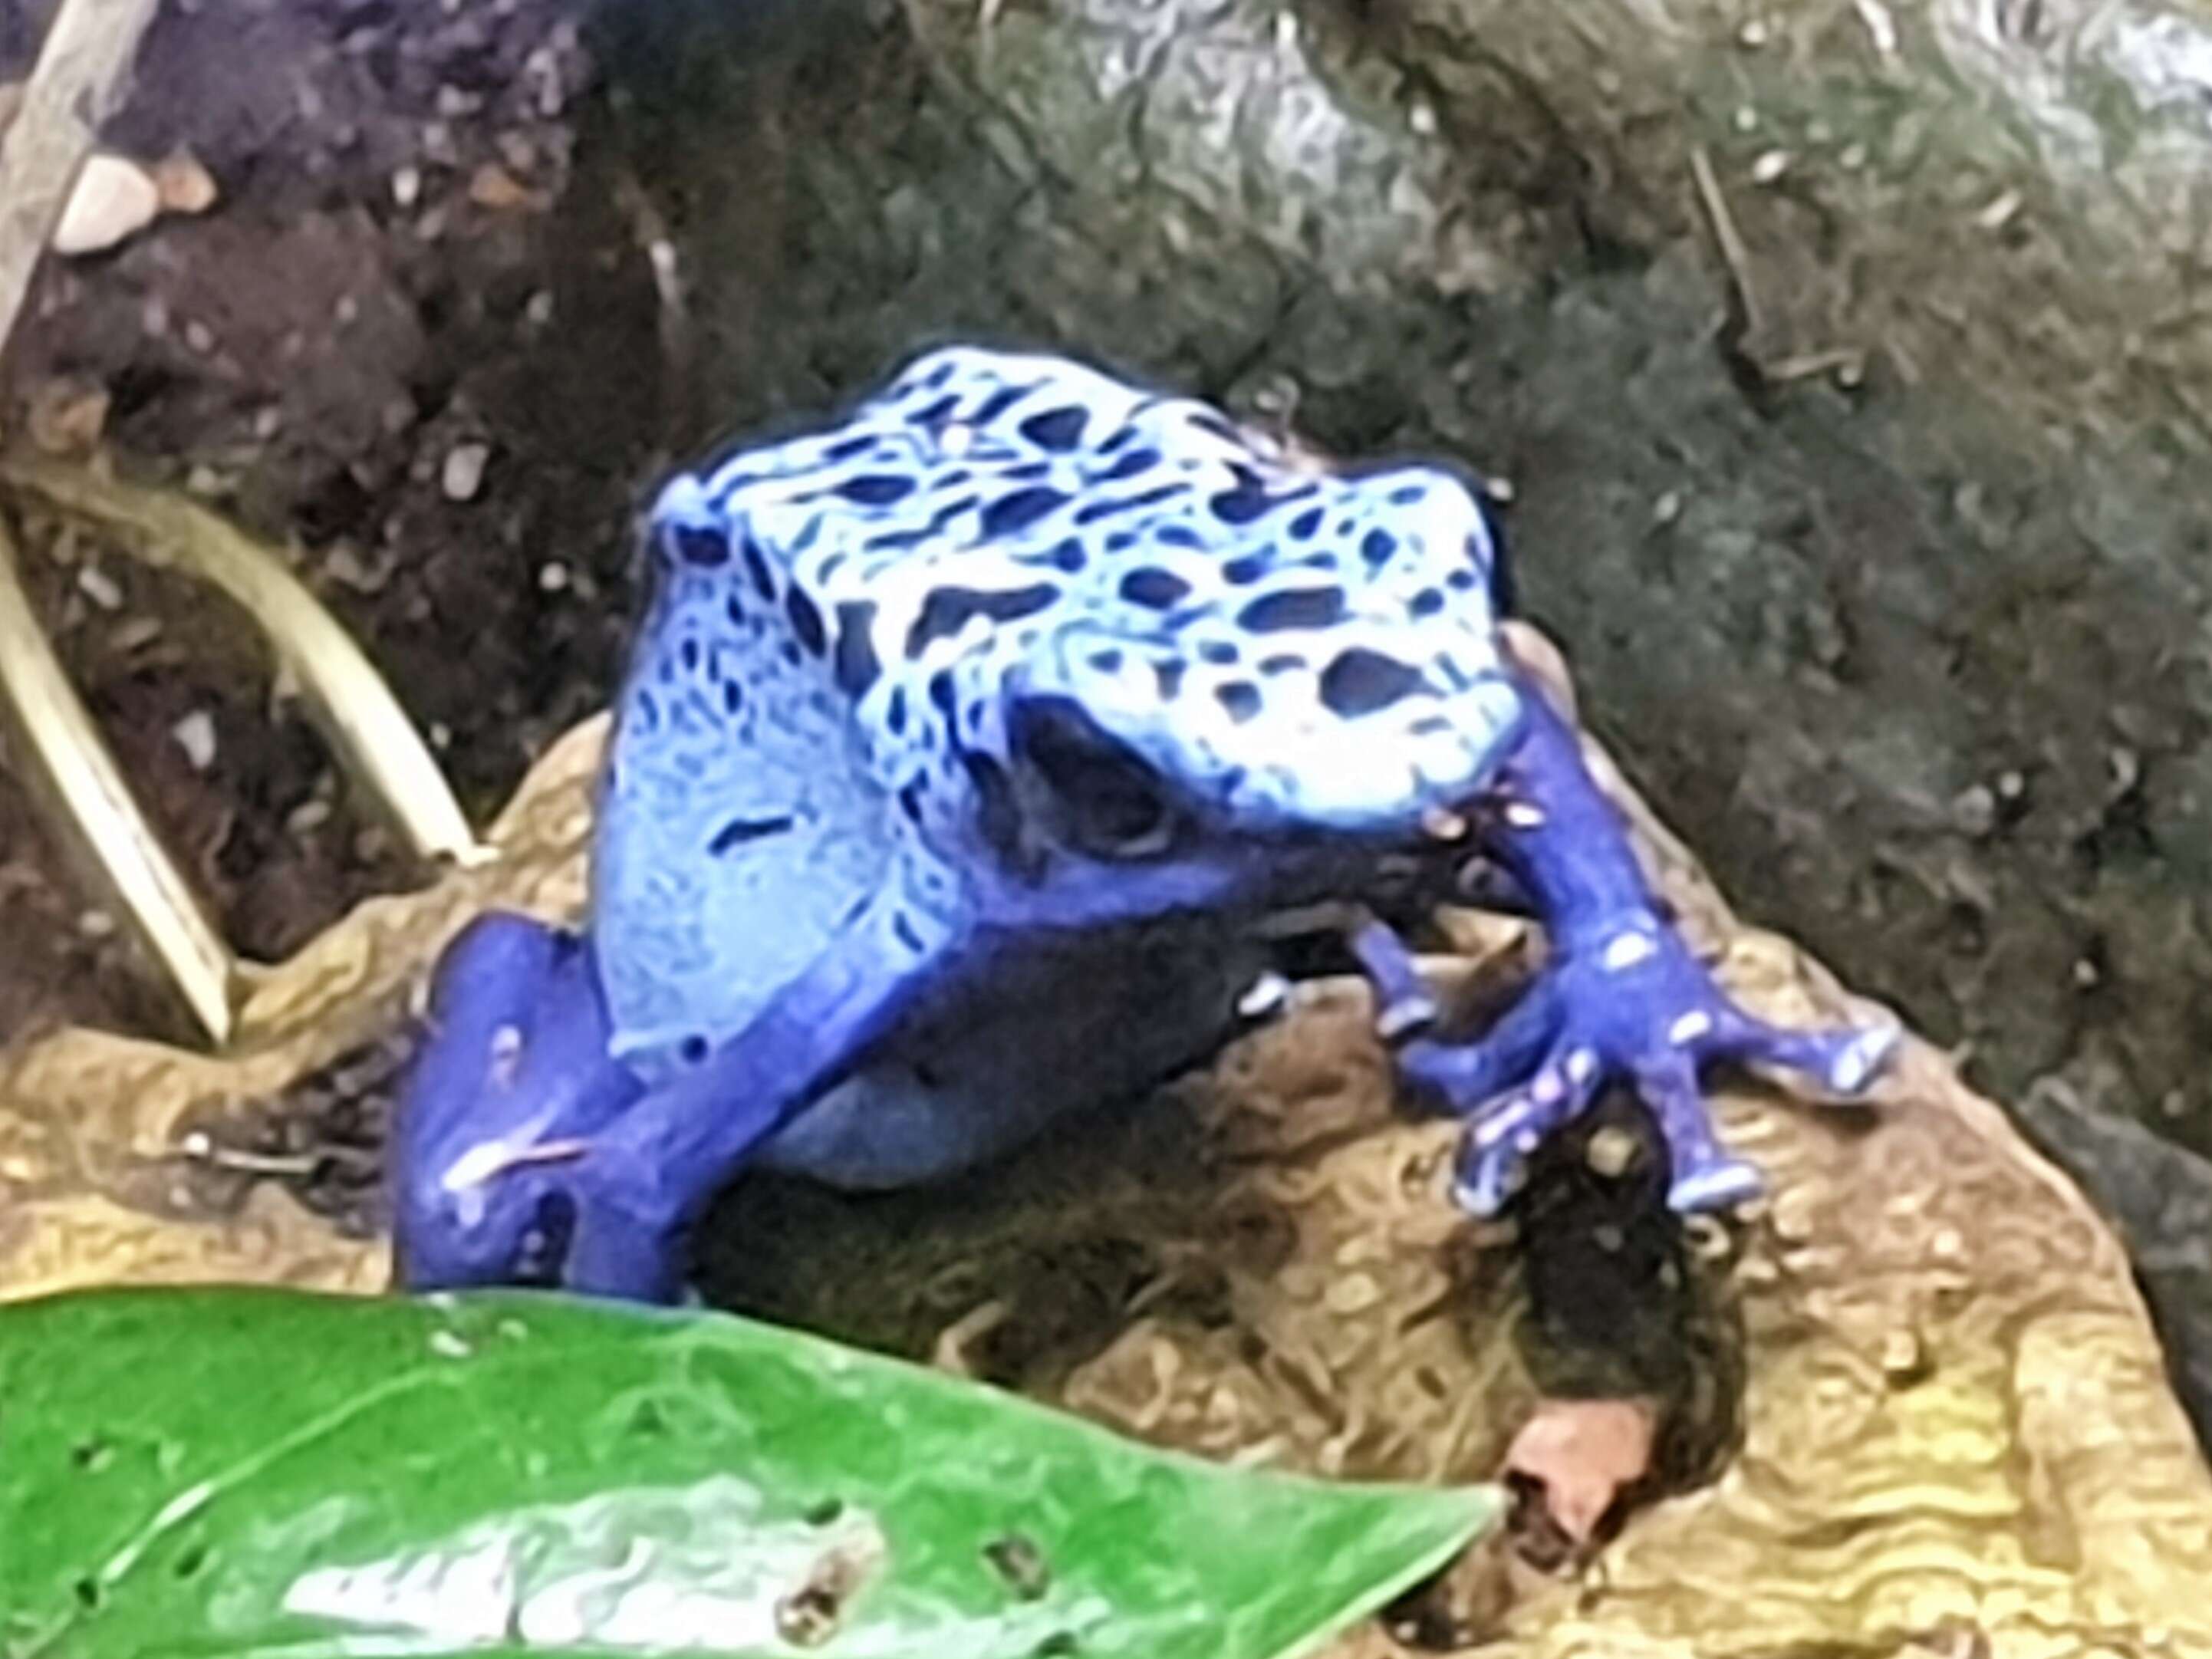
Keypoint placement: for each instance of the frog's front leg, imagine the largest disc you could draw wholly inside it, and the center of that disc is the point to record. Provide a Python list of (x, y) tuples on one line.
[(525, 1154), (1621, 996)]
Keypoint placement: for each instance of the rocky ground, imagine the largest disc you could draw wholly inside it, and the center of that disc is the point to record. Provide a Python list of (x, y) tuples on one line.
[(1866, 522)]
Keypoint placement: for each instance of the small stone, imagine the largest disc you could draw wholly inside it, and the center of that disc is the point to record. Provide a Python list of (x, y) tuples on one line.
[(1770, 167), (184, 186), (95, 924), (100, 587), (1974, 811), (1753, 34), (553, 578), (406, 188), (1351, 1293), (67, 416), (1667, 509), (194, 735), (112, 201), (492, 185), (462, 475), (1611, 1153), (1904, 1358)]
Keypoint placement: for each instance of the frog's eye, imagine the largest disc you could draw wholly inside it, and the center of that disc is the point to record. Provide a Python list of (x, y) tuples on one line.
[(1109, 802)]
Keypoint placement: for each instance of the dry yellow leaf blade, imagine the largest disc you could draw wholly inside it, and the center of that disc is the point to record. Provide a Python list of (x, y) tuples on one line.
[(68, 763), (356, 710)]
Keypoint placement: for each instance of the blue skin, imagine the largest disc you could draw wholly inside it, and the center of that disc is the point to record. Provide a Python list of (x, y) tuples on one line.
[(966, 747)]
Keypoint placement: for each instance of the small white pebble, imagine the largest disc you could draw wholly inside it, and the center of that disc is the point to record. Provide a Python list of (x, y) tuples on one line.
[(2086, 974), (95, 924), (199, 337), (538, 310), (111, 201), (1770, 165), (463, 474), (1500, 489), (1747, 118), (1853, 157), (553, 577), (1753, 34), (451, 1346), (1999, 213), (100, 587), (194, 735), (406, 186), (1524, 815), (2011, 786), (1611, 1153), (1667, 509), (442, 735)]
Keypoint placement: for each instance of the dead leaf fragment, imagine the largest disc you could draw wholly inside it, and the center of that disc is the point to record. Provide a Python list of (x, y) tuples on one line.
[(67, 416), (1575, 1457), (184, 186)]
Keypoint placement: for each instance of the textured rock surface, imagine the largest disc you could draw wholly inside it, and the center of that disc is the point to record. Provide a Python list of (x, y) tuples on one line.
[(1912, 1405)]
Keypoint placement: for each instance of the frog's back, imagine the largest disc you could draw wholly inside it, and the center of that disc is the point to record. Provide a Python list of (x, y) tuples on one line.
[(992, 514)]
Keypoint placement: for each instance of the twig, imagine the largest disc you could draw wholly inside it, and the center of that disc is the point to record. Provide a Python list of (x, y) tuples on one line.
[(73, 89), (1734, 253)]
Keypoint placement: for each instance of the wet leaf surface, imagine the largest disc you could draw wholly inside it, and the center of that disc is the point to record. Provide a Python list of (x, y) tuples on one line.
[(248, 1471)]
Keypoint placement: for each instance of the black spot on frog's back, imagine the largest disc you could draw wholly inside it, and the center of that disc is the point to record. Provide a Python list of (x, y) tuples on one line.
[(1359, 681), (1056, 428), (876, 488), (805, 621), (1019, 510), (948, 610), (1154, 589), (697, 545), (1293, 607), (857, 665)]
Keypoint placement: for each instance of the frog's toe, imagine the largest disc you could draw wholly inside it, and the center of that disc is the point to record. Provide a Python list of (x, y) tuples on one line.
[(1502, 1136), (1846, 1060), (1470, 1077), (1703, 1176)]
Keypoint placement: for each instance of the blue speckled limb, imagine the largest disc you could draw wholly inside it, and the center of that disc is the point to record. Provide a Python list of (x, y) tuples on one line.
[(1623, 997), (550, 1148)]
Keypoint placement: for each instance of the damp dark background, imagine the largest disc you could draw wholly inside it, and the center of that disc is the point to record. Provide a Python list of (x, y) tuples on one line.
[(1847, 366)]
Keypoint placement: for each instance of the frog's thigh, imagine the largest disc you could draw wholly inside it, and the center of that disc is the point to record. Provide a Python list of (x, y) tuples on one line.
[(972, 1090)]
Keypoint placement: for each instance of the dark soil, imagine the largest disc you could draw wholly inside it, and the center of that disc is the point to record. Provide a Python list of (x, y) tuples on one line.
[(400, 264)]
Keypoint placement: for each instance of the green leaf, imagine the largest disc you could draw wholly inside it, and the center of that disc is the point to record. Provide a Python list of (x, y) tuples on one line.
[(250, 1472)]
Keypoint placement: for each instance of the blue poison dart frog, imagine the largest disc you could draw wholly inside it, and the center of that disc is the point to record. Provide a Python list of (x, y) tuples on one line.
[(965, 750)]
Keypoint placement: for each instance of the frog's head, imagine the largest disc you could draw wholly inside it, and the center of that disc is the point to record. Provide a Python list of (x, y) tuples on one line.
[(1329, 677), (498, 1177)]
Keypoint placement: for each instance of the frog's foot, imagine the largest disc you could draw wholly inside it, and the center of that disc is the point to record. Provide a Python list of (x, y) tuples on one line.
[(1636, 1006)]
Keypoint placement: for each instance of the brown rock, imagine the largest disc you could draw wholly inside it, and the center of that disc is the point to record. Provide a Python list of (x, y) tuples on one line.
[(1911, 1405)]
